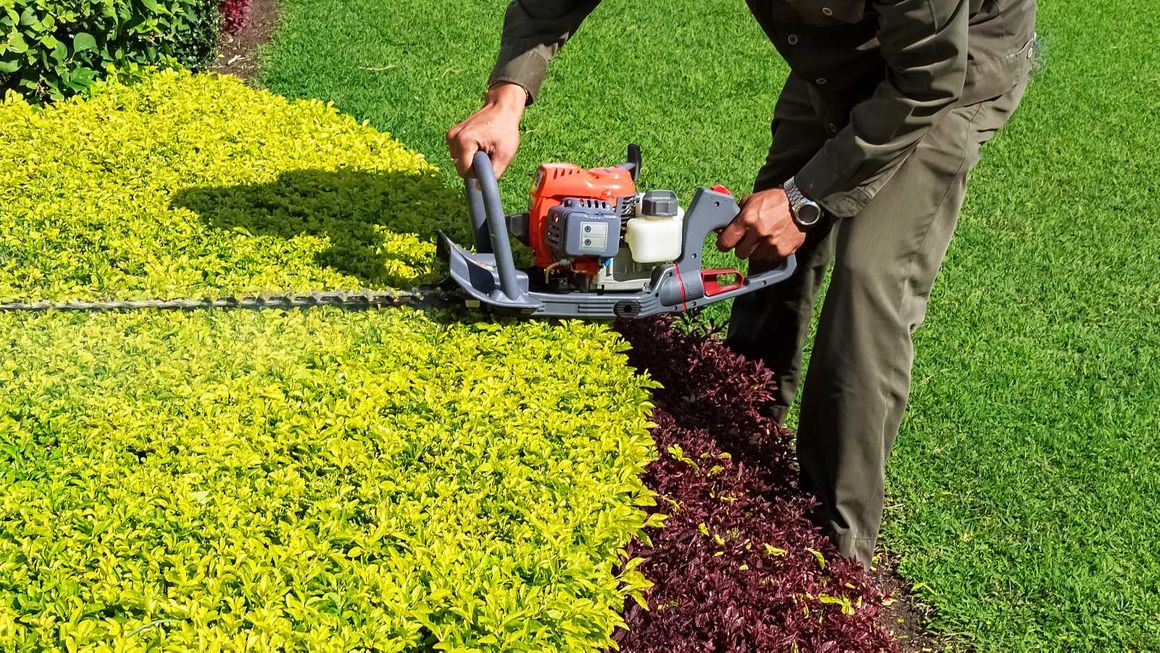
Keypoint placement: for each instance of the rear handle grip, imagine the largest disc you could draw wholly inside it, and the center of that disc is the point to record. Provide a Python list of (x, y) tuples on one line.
[(711, 210)]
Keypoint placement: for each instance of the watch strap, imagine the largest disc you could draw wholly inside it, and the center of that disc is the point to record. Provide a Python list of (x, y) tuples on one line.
[(794, 194), (797, 199)]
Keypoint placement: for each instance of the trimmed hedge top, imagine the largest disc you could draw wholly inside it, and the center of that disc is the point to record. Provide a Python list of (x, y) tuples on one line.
[(197, 185), (390, 480)]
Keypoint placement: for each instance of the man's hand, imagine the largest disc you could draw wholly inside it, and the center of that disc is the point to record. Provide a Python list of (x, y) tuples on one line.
[(494, 129), (764, 230)]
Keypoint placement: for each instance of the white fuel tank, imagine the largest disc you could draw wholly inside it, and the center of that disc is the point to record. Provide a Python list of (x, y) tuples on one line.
[(655, 234)]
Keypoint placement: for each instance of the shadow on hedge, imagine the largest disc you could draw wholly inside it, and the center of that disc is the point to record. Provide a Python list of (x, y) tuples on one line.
[(371, 219)]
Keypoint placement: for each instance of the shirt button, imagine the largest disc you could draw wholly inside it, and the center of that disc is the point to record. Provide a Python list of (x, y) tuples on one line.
[(792, 38), (821, 81), (827, 11)]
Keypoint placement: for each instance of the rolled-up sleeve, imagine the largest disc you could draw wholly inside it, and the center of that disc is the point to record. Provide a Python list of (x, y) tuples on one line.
[(533, 32), (924, 44)]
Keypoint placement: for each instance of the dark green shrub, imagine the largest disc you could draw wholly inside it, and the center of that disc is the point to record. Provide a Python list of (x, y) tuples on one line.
[(50, 49)]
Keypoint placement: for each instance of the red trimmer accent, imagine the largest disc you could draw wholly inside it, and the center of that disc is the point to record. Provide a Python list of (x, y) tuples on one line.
[(709, 279), (681, 282)]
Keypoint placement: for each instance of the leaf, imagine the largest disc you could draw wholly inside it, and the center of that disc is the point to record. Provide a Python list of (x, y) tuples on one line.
[(773, 551), (842, 601), (655, 520), (16, 43), (80, 78), (818, 556), (84, 41)]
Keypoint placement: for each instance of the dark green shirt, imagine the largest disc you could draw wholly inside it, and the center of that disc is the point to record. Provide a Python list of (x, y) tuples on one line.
[(880, 71)]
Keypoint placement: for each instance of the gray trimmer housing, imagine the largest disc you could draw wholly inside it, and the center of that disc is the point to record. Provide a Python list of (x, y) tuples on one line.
[(489, 274)]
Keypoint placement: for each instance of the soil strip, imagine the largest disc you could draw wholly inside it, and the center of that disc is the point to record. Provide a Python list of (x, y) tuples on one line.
[(238, 54)]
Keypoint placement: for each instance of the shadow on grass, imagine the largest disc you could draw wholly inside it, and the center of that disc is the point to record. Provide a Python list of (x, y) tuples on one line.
[(371, 219)]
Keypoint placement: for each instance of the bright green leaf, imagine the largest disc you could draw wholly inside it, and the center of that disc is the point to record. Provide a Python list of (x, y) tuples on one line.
[(84, 41)]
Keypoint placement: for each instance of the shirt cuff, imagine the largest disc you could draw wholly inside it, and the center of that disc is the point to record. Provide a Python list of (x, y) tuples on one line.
[(819, 181), (526, 68)]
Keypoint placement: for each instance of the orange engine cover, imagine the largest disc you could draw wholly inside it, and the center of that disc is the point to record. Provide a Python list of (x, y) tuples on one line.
[(556, 182)]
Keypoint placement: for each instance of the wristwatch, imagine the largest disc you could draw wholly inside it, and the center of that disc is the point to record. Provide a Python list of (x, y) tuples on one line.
[(805, 211)]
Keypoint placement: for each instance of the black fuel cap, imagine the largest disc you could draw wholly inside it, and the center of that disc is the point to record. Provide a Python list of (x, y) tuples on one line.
[(659, 202)]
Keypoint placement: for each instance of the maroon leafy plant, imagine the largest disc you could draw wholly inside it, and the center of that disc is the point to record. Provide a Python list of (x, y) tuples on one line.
[(234, 14), (739, 564)]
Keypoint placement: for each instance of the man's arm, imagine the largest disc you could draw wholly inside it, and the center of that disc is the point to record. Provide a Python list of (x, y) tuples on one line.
[(924, 43), (533, 32)]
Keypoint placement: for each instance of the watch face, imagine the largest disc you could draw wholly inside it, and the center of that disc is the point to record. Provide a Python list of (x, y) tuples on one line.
[(809, 213)]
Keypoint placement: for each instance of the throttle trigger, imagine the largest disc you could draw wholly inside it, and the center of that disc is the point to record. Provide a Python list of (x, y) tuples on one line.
[(710, 281)]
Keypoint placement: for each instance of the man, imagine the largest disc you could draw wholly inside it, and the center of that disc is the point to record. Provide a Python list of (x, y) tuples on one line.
[(873, 137)]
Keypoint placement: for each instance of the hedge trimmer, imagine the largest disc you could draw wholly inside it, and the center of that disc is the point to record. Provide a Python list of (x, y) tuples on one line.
[(601, 249)]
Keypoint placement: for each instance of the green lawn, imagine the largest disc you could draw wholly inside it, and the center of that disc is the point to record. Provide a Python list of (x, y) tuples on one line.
[(1028, 468)]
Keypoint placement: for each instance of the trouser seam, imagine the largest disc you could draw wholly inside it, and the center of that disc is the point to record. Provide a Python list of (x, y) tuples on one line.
[(908, 272)]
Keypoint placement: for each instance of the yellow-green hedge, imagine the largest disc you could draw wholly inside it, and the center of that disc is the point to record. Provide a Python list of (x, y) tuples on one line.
[(383, 480), (323, 479), (194, 184)]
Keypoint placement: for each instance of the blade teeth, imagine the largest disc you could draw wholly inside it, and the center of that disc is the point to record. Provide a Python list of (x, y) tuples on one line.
[(363, 298)]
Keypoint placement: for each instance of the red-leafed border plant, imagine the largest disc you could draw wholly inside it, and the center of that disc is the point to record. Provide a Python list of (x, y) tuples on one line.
[(739, 565), (234, 14)]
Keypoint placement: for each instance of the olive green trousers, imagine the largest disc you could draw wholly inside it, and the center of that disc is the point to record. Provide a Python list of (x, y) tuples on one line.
[(885, 260)]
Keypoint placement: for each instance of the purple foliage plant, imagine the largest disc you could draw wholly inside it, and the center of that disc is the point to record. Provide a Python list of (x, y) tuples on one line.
[(234, 14), (739, 565)]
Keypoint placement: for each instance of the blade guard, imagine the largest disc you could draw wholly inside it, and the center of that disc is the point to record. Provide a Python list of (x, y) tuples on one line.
[(478, 276)]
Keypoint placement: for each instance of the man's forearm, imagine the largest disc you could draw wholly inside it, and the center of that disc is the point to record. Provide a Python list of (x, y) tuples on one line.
[(533, 32)]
